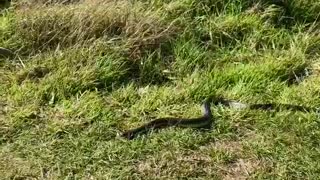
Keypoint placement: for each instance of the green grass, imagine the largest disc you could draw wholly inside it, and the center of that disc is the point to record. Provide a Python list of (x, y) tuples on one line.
[(88, 71)]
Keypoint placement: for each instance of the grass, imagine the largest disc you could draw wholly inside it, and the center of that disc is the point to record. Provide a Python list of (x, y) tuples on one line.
[(89, 70)]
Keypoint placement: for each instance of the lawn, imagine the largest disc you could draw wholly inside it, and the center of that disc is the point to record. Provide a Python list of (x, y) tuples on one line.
[(86, 71)]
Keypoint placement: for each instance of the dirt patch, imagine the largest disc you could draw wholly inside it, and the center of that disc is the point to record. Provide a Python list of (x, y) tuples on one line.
[(238, 164), (241, 169), (13, 167), (178, 164), (223, 159)]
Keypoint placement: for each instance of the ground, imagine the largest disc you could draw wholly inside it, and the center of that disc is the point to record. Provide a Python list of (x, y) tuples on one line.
[(87, 70)]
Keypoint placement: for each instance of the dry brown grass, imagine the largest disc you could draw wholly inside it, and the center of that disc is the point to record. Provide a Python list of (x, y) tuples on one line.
[(131, 25), (11, 165), (222, 159)]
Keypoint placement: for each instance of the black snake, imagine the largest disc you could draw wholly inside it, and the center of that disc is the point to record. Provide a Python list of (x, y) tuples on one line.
[(206, 121)]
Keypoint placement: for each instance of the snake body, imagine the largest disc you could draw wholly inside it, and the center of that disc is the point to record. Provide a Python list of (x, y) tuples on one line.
[(6, 53), (204, 121)]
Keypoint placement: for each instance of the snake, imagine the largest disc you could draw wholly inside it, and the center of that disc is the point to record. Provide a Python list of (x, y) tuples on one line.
[(206, 120), (6, 53), (203, 122)]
